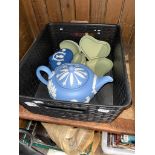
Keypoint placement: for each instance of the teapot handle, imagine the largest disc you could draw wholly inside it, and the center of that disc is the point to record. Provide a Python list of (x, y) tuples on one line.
[(40, 77)]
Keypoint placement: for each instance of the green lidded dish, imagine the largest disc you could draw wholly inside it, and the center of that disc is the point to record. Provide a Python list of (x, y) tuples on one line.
[(83, 61), (93, 48), (69, 44), (79, 58), (100, 66)]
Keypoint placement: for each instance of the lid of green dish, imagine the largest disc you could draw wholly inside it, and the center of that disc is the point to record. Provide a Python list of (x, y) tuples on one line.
[(69, 44), (100, 66), (93, 48)]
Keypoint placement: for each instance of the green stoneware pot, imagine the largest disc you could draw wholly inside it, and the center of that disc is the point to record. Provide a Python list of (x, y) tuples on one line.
[(79, 58), (100, 66), (83, 61), (69, 44), (93, 48)]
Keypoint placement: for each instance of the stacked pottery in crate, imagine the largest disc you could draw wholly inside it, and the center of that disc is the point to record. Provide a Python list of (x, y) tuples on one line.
[(77, 72)]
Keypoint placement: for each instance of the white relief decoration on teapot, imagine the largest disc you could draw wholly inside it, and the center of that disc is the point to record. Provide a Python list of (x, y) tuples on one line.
[(59, 75), (94, 85), (52, 89), (71, 79), (87, 99), (64, 83), (79, 82), (81, 74), (65, 75), (53, 73)]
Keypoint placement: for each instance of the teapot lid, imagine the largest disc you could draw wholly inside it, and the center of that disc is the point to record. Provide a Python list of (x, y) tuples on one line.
[(71, 76)]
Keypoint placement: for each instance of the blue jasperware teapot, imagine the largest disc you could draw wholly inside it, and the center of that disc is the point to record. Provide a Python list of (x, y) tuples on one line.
[(72, 82)]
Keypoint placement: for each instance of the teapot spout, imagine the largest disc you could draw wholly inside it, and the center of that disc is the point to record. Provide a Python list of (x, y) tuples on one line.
[(101, 81)]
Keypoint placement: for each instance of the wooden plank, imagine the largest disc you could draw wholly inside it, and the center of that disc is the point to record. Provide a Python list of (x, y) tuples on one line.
[(127, 21), (119, 125), (132, 64), (41, 14), (68, 10), (113, 11), (98, 9), (54, 11), (28, 9), (22, 123), (126, 34), (128, 13), (132, 38), (25, 34), (82, 10)]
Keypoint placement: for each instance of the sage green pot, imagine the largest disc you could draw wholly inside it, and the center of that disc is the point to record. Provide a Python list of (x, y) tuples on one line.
[(100, 66)]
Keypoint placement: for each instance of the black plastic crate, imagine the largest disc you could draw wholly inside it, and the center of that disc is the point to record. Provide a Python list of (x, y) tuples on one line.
[(106, 104)]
